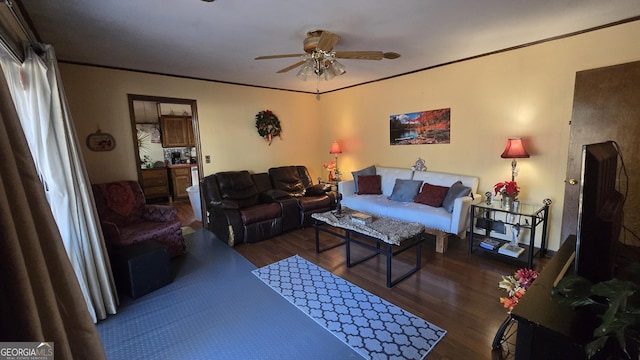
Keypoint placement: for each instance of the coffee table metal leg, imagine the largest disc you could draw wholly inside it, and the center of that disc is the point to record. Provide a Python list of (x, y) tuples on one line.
[(347, 239), (418, 244), (389, 254), (317, 225)]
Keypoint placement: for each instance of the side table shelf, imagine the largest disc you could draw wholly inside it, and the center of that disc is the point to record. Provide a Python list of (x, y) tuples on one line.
[(527, 216)]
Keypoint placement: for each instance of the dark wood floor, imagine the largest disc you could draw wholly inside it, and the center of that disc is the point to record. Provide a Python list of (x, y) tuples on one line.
[(456, 291)]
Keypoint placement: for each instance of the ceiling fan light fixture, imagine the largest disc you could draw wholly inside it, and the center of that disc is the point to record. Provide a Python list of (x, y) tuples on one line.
[(307, 69), (338, 68), (302, 74), (329, 73)]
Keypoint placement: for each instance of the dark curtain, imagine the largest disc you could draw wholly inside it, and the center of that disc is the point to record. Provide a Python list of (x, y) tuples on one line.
[(40, 298)]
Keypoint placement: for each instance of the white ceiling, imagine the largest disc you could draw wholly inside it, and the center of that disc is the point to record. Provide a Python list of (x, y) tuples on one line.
[(219, 40)]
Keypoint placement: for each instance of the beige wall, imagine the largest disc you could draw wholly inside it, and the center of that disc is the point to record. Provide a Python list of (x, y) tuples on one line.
[(526, 92), (226, 116)]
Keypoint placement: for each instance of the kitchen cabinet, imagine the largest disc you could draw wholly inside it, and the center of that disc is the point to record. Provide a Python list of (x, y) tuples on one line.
[(177, 131), (155, 183), (180, 181)]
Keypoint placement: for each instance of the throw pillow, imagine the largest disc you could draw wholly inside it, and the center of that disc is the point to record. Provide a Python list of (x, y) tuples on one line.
[(455, 191), (432, 195), (405, 190), (369, 184), (371, 170)]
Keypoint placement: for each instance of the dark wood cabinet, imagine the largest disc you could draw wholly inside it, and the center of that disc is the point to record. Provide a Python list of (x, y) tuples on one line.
[(546, 328), (180, 181), (155, 183), (177, 131)]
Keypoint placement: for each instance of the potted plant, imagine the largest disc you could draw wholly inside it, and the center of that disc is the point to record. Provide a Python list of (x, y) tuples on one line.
[(614, 303)]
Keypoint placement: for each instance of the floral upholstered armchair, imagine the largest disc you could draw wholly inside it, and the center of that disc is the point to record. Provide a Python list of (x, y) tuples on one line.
[(127, 219)]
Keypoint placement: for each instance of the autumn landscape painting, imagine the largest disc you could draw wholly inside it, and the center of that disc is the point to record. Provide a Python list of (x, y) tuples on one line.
[(425, 127)]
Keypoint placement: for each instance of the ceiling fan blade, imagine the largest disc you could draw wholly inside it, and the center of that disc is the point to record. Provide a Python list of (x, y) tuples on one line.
[(391, 55), (265, 57), (361, 55), (327, 41), (291, 67)]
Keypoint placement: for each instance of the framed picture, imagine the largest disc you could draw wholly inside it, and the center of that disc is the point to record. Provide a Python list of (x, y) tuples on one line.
[(100, 141), (424, 127)]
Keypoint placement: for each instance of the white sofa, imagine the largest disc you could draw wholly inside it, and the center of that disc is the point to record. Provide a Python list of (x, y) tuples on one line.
[(437, 220)]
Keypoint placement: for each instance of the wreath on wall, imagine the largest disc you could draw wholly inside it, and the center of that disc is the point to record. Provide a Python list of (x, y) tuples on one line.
[(268, 125)]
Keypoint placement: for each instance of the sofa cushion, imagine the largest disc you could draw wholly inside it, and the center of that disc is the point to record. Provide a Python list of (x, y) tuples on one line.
[(237, 186), (432, 195), (389, 175), (261, 212), (371, 170), (446, 179), (455, 191), (287, 178), (273, 195), (369, 184), (405, 190)]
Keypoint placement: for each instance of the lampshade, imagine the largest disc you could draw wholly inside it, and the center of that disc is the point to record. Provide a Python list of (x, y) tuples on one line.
[(514, 149), (335, 148)]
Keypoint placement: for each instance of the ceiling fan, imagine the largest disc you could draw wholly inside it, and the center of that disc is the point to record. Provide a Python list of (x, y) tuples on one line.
[(320, 59)]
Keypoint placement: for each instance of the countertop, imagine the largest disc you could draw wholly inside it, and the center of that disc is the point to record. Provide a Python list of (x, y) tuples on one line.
[(176, 166)]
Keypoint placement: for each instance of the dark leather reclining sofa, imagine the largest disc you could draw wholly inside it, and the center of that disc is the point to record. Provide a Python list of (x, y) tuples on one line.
[(246, 208)]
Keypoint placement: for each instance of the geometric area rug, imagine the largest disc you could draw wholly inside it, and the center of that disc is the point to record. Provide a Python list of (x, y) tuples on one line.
[(371, 326)]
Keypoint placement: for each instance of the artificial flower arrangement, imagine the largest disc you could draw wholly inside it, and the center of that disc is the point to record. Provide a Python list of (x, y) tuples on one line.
[(515, 286), (331, 167), (507, 188)]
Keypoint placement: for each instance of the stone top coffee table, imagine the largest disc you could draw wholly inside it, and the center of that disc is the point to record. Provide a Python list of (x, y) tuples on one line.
[(391, 237)]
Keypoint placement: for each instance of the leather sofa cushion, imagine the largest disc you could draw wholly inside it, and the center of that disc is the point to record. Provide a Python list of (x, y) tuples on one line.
[(287, 178), (258, 213), (239, 187), (310, 203), (305, 177)]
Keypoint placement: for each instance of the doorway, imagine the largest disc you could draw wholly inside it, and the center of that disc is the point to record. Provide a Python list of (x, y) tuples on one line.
[(167, 143)]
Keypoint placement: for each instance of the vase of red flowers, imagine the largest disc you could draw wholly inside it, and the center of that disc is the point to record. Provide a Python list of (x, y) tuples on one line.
[(509, 191)]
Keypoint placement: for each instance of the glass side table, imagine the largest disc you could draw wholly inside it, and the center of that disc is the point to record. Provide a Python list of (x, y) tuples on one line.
[(529, 216)]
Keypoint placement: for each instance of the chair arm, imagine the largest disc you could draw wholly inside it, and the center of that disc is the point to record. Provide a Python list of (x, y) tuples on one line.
[(159, 213), (460, 215), (111, 232), (347, 187)]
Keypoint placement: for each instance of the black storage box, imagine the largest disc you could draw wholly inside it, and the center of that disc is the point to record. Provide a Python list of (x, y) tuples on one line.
[(141, 268)]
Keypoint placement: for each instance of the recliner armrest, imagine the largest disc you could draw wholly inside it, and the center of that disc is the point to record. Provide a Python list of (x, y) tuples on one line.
[(227, 204), (273, 195), (317, 190)]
